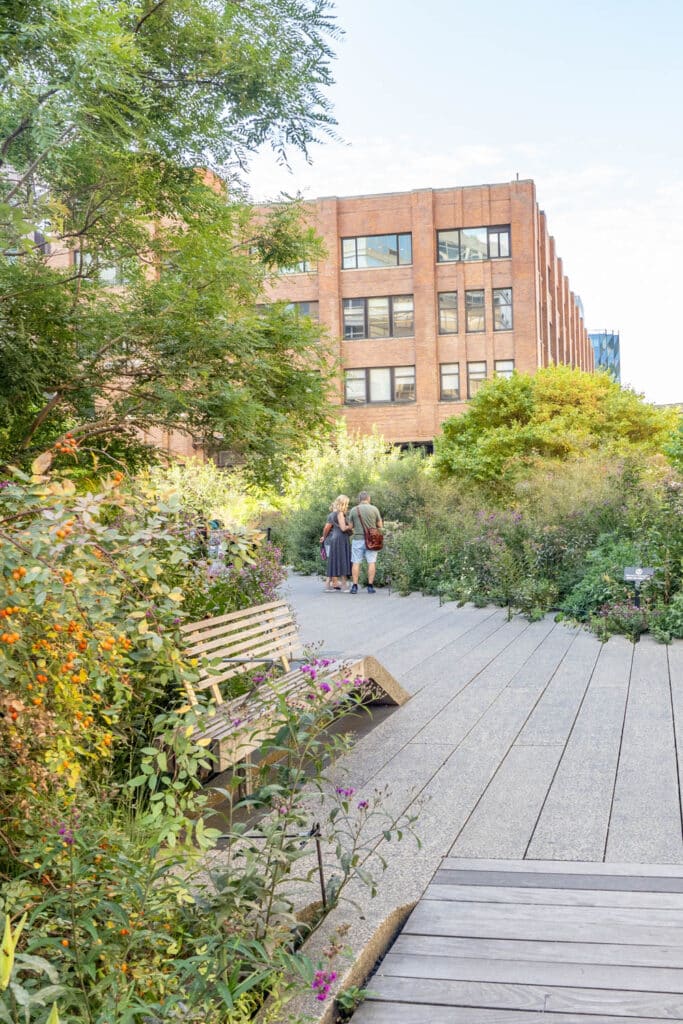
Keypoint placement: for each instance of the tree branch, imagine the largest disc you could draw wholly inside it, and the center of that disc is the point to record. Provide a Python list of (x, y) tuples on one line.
[(24, 123), (150, 12)]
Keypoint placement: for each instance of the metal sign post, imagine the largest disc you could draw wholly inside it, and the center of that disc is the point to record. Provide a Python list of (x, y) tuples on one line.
[(636, 574)]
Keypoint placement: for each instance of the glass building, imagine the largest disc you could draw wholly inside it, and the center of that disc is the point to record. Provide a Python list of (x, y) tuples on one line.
[(606, 348)]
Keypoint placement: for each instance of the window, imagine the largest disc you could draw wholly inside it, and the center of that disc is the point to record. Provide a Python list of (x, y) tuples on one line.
[(108, 274), (448, 312), (504, 367), (355, 387), (379, 384), (448, 246), (404, 384), (469, 244), (377, 251), (474, 310), (450, 382), (474, 244), (476, 375), (382, 317), (305, 309), (499, 243), (502, 309), (302, 267)]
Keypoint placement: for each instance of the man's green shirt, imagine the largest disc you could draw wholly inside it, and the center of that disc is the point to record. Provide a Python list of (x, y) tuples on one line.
[(371, 518)]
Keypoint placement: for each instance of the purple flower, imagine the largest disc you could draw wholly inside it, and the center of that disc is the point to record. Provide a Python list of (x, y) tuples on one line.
[(321, 984), (363, 805), (325, 687), (236, 722), (66, 834), (345, 792), (259, 679)]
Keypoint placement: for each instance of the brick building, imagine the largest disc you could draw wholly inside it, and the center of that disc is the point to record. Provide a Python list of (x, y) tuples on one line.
[(425, 294)]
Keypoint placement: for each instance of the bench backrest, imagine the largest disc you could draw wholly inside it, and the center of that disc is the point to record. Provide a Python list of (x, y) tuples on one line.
[(264, 631)]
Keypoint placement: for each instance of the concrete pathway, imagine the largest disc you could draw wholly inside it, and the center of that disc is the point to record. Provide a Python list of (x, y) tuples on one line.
[(521, 742), (530, 740)]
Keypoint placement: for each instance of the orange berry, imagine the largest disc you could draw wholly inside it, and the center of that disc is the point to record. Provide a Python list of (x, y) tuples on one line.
[(37, 701), (124, 931), (124, 968), (65, 942)]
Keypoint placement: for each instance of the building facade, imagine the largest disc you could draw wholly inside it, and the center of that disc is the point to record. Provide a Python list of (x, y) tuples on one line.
[(606, 352), (423, 295)]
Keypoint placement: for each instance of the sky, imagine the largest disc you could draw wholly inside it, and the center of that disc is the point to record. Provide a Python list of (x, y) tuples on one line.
[(584, 98)]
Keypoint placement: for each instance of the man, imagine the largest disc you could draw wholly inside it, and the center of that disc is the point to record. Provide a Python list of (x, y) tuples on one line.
[(363, 517)]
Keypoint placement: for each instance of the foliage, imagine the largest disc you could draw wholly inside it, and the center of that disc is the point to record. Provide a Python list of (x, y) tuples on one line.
[(120, 903), (124, 129), (558, 413), (207, 492), (557, 538), (621, 617), (147, 897), (219, 588)]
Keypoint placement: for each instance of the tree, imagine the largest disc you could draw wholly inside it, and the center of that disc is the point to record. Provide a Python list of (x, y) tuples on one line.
[(124, 134), (558, 413)]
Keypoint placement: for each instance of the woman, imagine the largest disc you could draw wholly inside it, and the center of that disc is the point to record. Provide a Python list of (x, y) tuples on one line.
[(339, 556)]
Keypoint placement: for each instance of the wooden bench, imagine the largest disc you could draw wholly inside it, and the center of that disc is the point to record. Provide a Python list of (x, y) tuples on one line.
[(265, 635)]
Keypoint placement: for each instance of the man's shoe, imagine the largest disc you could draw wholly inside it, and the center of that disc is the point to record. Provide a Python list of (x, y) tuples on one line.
[(354, 589), (371, 589)]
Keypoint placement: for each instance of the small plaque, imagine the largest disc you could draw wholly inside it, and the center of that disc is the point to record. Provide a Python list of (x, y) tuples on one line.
[(637, 573)]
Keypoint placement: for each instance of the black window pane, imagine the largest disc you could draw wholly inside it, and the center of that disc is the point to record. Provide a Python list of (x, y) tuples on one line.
[(476, 375), (448, 246), (450, 382), (502, 309), (380, 385), (349, 253), (474, 244), (402, 315), (499, 243), (504, 367), (448, 312), (355, 387), (404, 384), (354, 318), (405, 249), (377, 251), (474, 306), (378, 318)]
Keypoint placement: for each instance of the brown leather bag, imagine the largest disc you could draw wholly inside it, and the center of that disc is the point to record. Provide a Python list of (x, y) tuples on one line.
[(374, 538)]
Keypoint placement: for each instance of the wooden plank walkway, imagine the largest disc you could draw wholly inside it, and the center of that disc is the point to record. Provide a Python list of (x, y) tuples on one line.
[(507, 942)]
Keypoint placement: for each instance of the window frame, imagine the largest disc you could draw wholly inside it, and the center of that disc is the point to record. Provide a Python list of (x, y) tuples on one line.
[(506, 374), (442, 396), (479, 380), (441, 330), (493, 305), (491, 229), (392, 385), (473, 330), (365, 299), (396, 234)]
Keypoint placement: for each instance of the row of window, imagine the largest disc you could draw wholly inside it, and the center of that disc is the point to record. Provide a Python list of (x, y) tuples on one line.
[(378, 384), (396, 250), (393, 316)]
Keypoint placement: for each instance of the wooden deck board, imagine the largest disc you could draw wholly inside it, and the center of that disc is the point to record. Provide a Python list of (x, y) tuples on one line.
[(481, 948)]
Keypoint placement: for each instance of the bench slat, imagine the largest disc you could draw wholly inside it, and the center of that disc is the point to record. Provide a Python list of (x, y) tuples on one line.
[(255, 611), (274, 618), (241, 640)]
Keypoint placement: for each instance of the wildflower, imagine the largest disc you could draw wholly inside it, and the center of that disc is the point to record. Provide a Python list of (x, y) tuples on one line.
[(236, 722), (344, 791), (363, 805), (325, 687)]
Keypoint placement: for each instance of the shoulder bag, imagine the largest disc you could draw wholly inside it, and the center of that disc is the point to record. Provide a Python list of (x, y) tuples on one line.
[(374, 538)]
